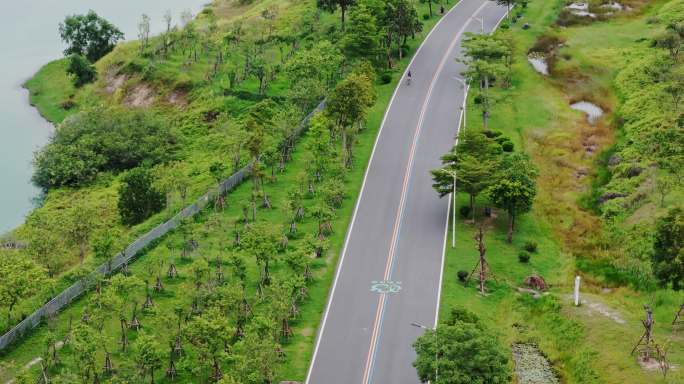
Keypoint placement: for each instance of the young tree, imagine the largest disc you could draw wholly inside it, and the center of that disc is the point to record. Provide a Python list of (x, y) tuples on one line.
[(460, 353), (148, 356), (515, 188), (210, 334), (348, 106), (46, 246), (84, 343), (138, 199), (256, 358), (144, 32), (486, 57), (78, 225), (261, 240), (89, 35), (20, 278), (81, 71), (668, 249)]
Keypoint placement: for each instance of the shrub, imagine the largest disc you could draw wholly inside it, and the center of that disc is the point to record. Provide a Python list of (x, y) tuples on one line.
[(524, 257), (138, 199), (492, 134), (463, 315), (507, 146), (530, 246), (386, 78), (101, 140), (464, 211), (81, 71), (462, 276), (426, 16)]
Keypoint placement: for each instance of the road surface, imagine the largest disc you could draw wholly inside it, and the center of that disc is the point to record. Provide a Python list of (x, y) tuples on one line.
[(390, 271)]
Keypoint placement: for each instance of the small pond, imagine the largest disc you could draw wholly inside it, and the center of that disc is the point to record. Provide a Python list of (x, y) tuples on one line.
[(538, 61), (593, 111)]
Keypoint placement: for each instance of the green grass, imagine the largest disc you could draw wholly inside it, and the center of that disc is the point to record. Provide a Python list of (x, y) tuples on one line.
[(49, 89), (583, 345), (299, 348)]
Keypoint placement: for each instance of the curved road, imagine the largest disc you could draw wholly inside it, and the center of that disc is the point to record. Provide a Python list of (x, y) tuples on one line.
[(390, 271)]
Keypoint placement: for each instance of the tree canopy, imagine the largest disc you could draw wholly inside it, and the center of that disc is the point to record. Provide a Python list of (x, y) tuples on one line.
[(89, 35)]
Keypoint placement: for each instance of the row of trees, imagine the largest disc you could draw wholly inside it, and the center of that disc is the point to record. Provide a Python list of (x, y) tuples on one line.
[(377, 29), (478, 165)]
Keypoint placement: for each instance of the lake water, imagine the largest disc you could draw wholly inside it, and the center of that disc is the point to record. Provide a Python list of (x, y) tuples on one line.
[(30, 39)]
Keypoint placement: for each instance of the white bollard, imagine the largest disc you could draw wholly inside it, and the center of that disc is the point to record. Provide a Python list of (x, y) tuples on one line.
[(577, 287)]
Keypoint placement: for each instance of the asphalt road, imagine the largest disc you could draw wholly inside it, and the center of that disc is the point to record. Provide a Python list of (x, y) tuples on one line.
[(391, 267)]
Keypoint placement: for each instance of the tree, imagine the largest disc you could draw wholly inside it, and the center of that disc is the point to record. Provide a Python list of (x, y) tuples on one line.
[(84, 342), (256, 359), (348, 106), (89, 35), (362, 36), (81, 70), (138, 199), (332, 5), (20, 278), (148, 356), (78, 225), (668, 249), (486, 57), (210, 334), (462, 353), (398, 20), (671, 40), (144, 32), (261, 240), (473, 160), (515, 188), (46, 246)]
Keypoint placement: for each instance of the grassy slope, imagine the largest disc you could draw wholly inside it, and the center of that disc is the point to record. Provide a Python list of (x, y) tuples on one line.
[(299, 349), (584, 346)]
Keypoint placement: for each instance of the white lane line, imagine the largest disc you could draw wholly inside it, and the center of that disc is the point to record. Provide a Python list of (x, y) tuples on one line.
[(363, 188)]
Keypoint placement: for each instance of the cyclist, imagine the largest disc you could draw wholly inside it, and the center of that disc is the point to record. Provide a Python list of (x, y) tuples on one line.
[(408, 78)]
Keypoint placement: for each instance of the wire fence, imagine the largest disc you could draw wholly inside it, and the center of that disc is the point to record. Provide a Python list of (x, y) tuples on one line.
[(68, 295)]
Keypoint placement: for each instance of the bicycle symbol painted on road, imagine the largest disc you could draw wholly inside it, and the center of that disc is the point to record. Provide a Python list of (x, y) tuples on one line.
[(385, 286)]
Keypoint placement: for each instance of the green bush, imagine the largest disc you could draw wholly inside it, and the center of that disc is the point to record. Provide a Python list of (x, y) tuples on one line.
[(524, 257), (138, 199), (426, 16), (464, 211), (462, 276), (530, 246), (507, 146), (386, 78), (81, 71), (101, 140)]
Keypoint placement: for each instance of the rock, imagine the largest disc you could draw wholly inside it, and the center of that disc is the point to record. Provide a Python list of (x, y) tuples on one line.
[(614, 160), (610, 196), (537, 282), (634, 171), (526, 26)]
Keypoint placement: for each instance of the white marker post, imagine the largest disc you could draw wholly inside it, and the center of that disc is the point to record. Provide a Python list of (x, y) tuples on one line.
[(577, 288)]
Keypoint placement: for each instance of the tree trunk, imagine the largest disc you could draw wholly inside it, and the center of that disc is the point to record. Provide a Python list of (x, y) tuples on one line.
[(511, 223), (485, 106), (430, 6), (472, 206)]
